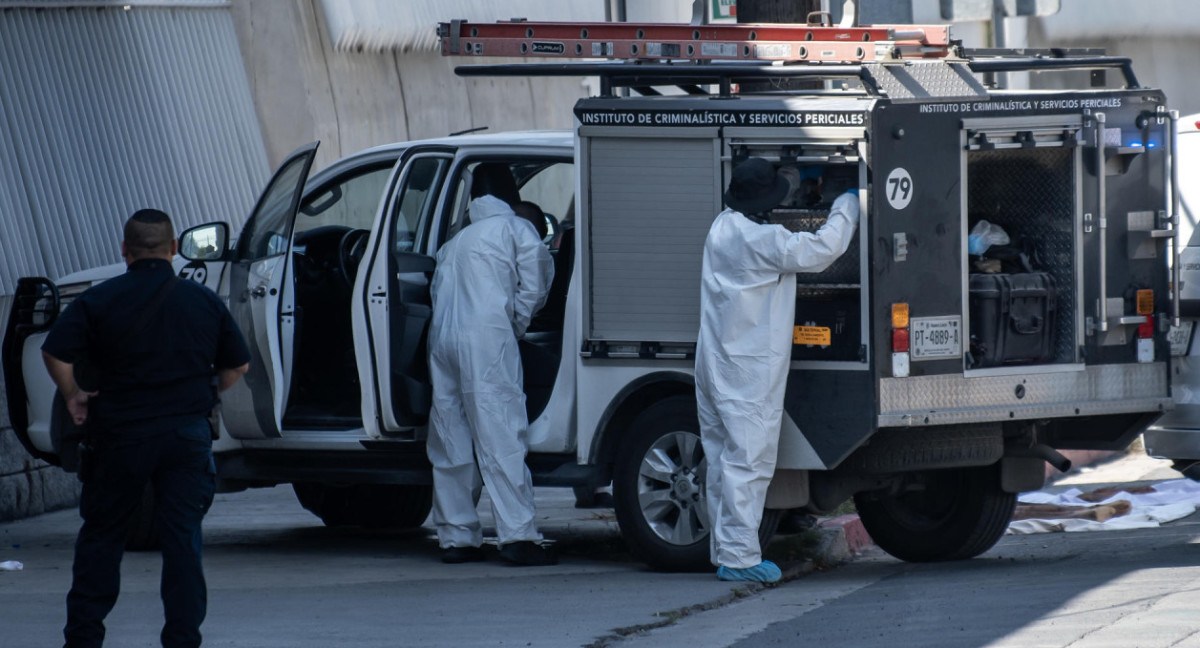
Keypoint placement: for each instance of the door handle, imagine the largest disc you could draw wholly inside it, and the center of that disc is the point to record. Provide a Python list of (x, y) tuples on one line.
[(1173, 217), (1102, 212), (260, 291)]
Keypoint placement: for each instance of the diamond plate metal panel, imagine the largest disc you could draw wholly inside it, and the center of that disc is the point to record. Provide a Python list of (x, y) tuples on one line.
[(1030, 193), (1024, 413), (921, 80), (921, 395)]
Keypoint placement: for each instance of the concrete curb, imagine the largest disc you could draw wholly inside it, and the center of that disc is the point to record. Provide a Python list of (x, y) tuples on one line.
[(851, 527)]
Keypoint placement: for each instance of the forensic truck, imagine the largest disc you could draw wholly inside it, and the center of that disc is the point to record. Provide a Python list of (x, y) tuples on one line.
[(1007, 295)]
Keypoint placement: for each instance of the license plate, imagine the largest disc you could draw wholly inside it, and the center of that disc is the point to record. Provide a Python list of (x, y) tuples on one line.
[(935, 337), (1178, 337)]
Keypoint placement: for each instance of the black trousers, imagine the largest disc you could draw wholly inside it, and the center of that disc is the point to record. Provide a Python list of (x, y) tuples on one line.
[(179, 463)]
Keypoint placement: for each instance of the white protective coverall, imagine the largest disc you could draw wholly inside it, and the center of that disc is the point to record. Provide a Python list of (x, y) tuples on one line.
[(747, 314), (490, 280)]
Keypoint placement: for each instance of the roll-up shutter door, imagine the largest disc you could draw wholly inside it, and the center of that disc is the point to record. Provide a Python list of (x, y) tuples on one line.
[(652, 201)]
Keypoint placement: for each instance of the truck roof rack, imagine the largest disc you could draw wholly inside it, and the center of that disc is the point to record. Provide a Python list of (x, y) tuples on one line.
[(902, 62)]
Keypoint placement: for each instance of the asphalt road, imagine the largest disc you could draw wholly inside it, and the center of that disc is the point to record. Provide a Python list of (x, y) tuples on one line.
[(278, 578), (1120, 589), (1108, 589)]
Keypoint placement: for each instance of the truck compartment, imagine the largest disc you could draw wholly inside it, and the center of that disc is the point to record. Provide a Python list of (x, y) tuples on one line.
[(828, 303), (1022, 296)]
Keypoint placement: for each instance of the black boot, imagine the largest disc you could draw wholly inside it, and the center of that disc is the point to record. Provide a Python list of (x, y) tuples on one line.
[(528, 553), (457, 555)]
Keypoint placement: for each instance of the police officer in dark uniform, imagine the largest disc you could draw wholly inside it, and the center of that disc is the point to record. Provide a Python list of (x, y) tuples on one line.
[(156, 344)]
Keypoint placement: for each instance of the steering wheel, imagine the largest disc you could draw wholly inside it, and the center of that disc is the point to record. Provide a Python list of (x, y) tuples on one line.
[(350, 254)]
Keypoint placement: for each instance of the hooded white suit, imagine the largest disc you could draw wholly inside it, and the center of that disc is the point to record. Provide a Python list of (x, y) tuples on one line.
[(747, 313), (490, 280)]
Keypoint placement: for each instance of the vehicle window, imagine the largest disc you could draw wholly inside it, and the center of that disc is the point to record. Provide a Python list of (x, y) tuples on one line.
[(549, 184), (350, 201), (266, 232), (551, 187), (417, 199)]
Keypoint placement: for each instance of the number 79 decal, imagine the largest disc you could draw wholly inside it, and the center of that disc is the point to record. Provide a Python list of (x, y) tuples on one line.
[(899, 188), (195, 271)]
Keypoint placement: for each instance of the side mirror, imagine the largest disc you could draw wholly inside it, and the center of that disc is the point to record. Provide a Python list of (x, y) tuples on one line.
[(204, 242)]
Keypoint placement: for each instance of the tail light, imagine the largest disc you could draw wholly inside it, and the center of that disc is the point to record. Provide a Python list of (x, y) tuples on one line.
[(900, 340), (1145, 330)]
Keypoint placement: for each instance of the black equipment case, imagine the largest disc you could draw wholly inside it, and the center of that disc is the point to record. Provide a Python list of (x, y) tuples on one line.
[(1012, 318)]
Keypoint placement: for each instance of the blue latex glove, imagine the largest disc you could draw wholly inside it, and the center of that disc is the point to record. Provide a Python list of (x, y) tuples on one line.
[(853, 191), (976, 245)]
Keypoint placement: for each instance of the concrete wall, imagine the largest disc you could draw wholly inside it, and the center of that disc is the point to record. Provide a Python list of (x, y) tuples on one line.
[(304, 90), (1160, 38), (1162, 63)]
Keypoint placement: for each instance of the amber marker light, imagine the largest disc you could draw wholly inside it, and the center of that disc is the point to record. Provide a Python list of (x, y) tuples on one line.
[(1145, 302)]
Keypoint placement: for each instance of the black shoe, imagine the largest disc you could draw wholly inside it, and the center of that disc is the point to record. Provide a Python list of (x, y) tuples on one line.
[(527, 553), (458, 555)]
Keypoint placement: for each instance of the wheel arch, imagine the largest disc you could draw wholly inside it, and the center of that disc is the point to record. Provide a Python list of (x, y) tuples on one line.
[(632, 400)]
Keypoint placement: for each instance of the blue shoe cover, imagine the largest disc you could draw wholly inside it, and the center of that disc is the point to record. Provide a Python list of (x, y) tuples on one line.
[(764, 572)]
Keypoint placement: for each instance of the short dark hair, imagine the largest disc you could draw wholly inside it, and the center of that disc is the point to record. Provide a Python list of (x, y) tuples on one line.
[(532, 213), (148, 233)]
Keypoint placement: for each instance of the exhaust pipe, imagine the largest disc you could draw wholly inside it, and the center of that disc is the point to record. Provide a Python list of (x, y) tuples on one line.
[(1044, 452)]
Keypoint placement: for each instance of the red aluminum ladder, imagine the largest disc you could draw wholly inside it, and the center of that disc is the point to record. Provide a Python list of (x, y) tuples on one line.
[(737, 42)]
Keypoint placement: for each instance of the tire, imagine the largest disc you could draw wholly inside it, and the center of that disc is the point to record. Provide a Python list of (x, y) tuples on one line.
[(671, 531), (143, 531), (954, 514), (375, 506)]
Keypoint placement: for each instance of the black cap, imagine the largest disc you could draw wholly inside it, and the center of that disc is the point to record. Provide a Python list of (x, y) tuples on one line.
[(755, 187)]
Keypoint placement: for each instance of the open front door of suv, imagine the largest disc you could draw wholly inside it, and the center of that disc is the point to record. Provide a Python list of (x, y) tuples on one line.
[(253, 408)]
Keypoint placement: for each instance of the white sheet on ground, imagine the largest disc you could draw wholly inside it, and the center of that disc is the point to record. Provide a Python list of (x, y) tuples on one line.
[(1171, 500)]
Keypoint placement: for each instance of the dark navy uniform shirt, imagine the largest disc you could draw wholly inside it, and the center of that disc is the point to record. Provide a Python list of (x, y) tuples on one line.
[(163, 376)]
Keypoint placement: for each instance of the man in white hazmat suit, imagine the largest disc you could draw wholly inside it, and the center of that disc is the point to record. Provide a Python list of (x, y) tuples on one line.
[(490, 280), (747, 313)]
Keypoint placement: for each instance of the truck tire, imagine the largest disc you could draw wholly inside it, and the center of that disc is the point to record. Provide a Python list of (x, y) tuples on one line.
[(143, 530), (658, 489), (375, 506), (957, 514)]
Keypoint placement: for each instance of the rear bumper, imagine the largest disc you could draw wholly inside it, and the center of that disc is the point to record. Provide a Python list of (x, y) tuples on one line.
[(1176, 435), (1090, 391)]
